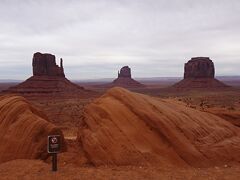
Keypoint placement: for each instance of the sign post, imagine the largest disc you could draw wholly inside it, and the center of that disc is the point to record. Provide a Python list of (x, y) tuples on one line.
[(54, 145)]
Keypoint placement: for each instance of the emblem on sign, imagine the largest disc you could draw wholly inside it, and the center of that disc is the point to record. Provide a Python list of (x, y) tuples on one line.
[(54, 140), (54, 143)]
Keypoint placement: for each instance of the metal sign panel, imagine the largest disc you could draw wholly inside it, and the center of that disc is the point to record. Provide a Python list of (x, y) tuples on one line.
[(54, 143)]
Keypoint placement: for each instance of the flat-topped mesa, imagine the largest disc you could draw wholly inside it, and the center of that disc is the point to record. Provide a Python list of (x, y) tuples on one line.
[(45, 65), (199, 67), (125, 79), (199, 72), (125, 72)]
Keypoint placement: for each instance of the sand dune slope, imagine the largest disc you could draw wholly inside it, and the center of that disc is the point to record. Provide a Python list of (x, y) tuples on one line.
[(123, 128), (23, 130)]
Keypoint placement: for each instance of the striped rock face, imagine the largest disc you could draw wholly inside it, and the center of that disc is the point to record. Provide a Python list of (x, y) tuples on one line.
[(23, 130), (126, 128)]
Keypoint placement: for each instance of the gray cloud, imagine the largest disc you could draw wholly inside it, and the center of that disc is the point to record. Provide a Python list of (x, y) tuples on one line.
[(95, 38)]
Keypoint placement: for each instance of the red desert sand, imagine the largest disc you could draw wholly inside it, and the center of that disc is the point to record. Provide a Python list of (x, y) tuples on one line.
[(121, 135)]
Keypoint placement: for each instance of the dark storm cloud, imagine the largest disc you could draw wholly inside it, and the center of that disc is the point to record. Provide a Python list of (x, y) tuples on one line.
[(96, 37)]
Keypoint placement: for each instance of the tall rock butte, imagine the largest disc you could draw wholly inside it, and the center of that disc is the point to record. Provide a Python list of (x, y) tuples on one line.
[(199, 72), (200, 67), (125, 79), (125, 72), (45, 65), (48, 80)]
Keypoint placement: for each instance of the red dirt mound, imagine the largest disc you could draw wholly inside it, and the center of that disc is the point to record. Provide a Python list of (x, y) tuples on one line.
[(125, 128), (23, 130), (126, 82), (199, 83), (44, 85)]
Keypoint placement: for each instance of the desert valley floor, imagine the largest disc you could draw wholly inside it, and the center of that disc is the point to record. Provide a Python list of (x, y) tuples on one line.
[(89, 162)]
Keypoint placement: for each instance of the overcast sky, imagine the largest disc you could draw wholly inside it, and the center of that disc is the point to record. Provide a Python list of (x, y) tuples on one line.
[(96, 37)]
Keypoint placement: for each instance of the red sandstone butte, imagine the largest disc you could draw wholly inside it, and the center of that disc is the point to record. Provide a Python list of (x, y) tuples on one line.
[(125, 72), (48, 79), (125, 79), (45, 64), (199, 72)]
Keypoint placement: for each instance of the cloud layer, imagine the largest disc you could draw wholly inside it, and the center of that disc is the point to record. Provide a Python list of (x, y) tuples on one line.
[(96, 37)]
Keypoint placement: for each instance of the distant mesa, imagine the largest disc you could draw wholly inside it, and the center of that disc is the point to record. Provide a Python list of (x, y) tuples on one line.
[(125, 72), (199, 72), (125, 79), (48, 79), (199, 67)]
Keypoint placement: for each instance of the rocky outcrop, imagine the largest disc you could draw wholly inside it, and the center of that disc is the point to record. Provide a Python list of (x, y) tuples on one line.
[(124, 80), (48, 80), (199, 67), (45, 65), (125, 72), (199, 72), (125, 128), (23, 130)]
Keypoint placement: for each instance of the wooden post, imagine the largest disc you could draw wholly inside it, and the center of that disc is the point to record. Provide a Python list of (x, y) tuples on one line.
[(54, 162)]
